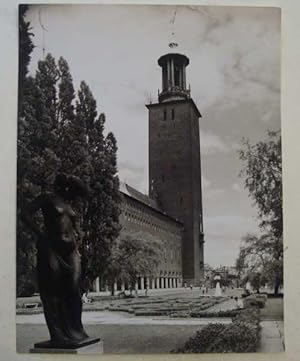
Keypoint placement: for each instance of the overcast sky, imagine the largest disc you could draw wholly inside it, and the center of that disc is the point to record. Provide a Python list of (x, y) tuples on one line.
[(234, 74)]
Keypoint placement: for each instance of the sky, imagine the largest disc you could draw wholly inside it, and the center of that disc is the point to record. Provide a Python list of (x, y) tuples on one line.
[(234, 74)]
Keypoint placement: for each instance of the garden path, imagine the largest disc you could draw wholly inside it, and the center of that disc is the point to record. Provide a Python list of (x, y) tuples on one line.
[(271, 336), (223, 306)]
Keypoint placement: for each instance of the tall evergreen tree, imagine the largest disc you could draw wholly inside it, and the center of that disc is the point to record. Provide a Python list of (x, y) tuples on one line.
[(46, 77), (25, 48), (73, 143), (37, 162), (104, 208), (59, 132), (25, 244), (66, 94), (101, 222)]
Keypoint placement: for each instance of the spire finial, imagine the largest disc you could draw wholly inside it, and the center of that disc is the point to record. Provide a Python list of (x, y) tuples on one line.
[(173, 43), (43, 33)]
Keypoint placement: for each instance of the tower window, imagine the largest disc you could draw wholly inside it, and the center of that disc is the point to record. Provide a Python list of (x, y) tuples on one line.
[(173, 114), (165, 115), (163, 177)]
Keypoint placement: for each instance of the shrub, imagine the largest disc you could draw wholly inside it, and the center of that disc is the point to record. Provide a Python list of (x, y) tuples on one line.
[(229, 313), (184, 314), (202, 339), (256, 303), (26, 288), (255, 300), (242, 335), (237, 337), (249, 316)]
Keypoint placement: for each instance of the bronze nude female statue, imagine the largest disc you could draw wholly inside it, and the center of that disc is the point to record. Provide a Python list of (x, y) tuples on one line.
[(58, 261)]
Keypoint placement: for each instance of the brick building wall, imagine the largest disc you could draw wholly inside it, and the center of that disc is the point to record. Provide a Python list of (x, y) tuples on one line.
[(141, 217)]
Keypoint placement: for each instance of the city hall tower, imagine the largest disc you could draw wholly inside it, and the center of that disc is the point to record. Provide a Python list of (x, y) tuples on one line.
[(174, 159)]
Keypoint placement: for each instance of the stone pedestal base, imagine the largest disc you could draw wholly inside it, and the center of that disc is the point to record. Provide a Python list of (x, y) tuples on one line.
[(88, 346)]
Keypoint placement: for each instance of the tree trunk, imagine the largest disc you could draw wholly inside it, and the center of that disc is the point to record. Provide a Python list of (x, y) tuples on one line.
[(276, 285), (112, 288)]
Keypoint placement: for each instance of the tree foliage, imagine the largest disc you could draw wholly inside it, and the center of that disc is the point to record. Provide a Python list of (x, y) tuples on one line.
[(263, 179), (131, 257), (26, 97), (262, 174), (258, 260), (25, 47), (60, 131)]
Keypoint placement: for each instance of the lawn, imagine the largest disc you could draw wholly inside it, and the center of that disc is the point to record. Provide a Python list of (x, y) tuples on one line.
[(122, 339)]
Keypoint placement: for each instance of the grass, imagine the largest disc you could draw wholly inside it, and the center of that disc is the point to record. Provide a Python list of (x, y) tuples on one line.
[(118, 339)]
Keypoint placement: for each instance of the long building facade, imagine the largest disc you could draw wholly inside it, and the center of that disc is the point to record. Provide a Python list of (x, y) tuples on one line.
[(172, 212), (142, 218)]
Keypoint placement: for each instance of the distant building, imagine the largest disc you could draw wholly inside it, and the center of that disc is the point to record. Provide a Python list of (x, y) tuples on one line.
[(228, 275), (172, 213)]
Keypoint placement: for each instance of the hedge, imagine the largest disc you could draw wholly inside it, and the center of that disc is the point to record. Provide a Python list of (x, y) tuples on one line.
[(209, 314), (242, 335), (256, 300)]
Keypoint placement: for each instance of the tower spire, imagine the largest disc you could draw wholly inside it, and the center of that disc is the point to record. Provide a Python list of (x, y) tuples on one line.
[(173, 66), (172, 42), (43, 34)]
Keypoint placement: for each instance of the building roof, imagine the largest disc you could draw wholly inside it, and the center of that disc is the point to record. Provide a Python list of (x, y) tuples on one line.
[(181, 57), (143, 198), (133, 193)]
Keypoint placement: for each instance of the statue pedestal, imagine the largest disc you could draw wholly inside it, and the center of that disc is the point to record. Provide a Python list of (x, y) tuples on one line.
[(88, 346)]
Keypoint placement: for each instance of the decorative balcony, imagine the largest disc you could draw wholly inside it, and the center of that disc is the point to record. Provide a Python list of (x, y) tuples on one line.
[(173, 93)]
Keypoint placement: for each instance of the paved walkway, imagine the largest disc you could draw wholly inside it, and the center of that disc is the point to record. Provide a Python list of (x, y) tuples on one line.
[(223, 306), (124, 318), (272, 333), (196, 291), (272, 336)]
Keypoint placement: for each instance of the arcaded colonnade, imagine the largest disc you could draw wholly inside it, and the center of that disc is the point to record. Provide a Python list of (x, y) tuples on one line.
[(141, 284)]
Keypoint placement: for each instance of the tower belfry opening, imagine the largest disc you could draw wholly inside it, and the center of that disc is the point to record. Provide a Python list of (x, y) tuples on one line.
[(173, 77)]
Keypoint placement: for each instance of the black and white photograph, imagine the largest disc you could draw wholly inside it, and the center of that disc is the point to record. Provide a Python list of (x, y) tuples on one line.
[(149, 180)]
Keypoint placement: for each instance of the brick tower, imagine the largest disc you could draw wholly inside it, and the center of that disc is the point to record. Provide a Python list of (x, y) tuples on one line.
[(174, 159)]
